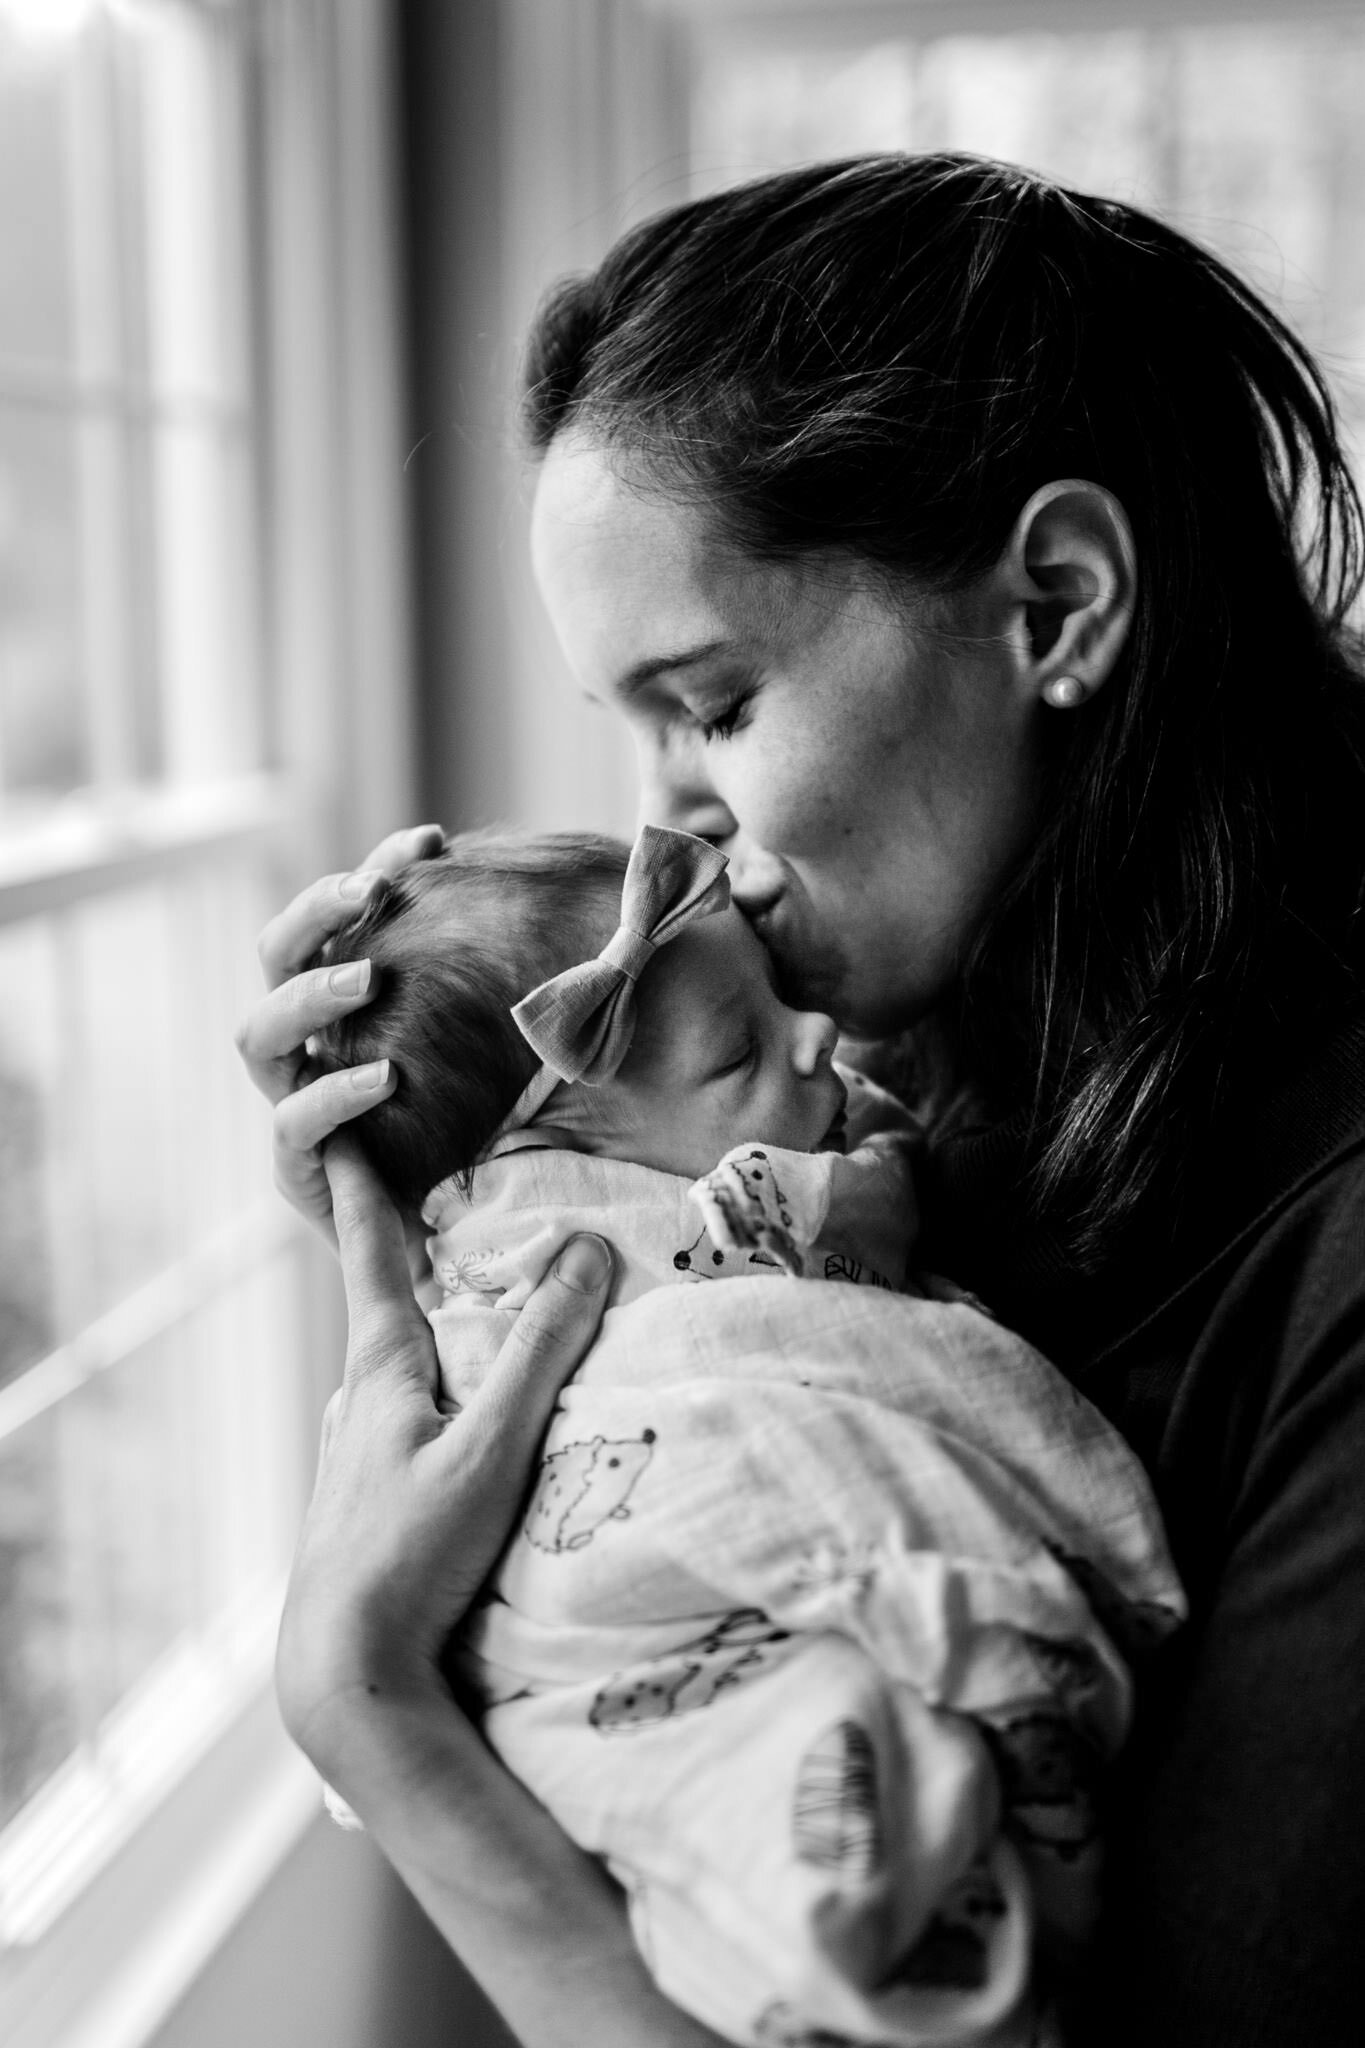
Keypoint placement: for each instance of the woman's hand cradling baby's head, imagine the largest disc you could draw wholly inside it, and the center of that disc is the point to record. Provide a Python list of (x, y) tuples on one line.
[(273, 1037)]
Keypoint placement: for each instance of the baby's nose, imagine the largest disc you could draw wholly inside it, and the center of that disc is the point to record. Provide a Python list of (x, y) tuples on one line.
[(815, 1039)]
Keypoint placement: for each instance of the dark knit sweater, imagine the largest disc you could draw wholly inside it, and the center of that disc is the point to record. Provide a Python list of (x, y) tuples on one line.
[(1234, 1362)]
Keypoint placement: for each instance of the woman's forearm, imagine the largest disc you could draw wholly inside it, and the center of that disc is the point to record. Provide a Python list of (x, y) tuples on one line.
[(536, 1921)]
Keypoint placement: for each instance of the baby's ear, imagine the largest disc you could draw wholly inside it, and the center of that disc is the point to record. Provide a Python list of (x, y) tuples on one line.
[(582, 1119), (563, 1138)]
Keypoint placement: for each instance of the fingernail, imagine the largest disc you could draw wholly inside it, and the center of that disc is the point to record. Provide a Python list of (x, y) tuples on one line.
[(373, 1076), (351, 980), (358, 884), (585, 1264)]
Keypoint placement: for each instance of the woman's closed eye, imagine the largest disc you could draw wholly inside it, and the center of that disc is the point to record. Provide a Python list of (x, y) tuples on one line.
[(726, 722)]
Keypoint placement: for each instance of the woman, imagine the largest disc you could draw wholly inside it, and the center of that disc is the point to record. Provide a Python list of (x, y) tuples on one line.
[(970, 559)]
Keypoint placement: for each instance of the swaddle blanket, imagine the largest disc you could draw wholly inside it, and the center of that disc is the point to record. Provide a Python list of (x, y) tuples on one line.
[(814, 1624)]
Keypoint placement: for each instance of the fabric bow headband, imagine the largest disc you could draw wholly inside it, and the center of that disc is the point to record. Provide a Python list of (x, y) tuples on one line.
[(582, 1021)]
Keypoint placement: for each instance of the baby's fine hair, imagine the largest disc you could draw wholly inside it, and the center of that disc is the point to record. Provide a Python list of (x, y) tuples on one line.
[(454, 942)]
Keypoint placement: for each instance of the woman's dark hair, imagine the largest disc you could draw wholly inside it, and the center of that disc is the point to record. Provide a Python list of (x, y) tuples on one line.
[(886, 357), (453, 943)]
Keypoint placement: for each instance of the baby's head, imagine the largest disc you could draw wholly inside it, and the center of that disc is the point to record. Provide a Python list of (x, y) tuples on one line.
[(715, 1058)]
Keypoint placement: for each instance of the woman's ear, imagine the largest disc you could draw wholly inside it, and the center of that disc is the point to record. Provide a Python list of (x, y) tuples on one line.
[(1072, 571)]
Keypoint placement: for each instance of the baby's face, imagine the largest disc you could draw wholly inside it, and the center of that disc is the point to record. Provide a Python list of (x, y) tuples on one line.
[(717, 1060)]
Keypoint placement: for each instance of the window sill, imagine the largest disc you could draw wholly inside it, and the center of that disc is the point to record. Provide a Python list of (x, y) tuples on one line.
[(88, 842), (119, 1954)]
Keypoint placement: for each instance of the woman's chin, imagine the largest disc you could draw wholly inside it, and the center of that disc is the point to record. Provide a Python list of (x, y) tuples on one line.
[(813, 972), (809, 976)]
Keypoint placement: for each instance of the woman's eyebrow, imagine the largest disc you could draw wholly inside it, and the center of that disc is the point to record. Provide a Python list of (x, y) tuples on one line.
[(636, 678)]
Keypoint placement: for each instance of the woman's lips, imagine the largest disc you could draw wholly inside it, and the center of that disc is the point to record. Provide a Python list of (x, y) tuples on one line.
[(770, 920), (758, 909)]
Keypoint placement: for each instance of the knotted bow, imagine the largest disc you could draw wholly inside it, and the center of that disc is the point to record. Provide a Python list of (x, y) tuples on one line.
[(581, 1022)]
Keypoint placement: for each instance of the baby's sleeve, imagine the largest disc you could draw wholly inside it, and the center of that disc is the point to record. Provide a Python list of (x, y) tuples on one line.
[(875, 1199), (874, 1113)]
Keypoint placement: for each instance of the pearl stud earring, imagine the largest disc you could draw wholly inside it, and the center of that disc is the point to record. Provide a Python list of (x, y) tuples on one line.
[(1065, 693)]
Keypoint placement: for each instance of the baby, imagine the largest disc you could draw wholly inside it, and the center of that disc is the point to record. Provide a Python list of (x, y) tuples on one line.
[(814, 1626)]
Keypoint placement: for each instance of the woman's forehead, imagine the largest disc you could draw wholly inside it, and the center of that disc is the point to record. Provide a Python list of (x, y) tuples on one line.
[(633, 576), (588, 494)]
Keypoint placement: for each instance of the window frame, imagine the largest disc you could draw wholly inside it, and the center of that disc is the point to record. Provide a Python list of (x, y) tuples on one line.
[(858, 20), (123, 1928)]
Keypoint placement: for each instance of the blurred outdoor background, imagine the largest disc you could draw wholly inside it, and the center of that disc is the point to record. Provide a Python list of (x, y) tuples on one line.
[(264, 269)]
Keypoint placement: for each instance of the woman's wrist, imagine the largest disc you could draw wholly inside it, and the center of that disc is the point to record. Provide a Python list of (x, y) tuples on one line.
[(536, 1921), (351, 1697), (381, 1744)]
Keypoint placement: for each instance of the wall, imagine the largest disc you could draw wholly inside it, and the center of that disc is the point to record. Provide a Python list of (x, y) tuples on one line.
[(535, 135), (333, 1953)]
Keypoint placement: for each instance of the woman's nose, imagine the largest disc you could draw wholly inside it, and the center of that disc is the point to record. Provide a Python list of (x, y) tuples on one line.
[(673, 793), (813, 1041)]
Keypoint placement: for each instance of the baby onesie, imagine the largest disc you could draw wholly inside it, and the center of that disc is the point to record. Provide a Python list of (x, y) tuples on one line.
[(817, 1625)]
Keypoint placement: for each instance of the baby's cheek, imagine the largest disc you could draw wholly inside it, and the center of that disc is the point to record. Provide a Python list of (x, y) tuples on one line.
[(716, 1126), (684, 1134), (770, 1114)]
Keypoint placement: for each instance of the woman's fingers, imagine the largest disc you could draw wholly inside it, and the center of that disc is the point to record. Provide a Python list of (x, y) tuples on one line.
[(389, 1333), (305, 1120), (272, 1036), (414, 842), (412, 1504), (548, 1341), (293, 937)]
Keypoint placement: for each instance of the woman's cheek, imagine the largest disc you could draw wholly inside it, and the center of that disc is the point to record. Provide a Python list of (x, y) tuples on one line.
[(786, 804)]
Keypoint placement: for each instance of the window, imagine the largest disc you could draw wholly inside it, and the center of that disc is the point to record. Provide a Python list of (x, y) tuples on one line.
[(175, 528), (1241, 128)]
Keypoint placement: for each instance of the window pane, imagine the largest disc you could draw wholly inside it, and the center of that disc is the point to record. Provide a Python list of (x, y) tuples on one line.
[(123, 1201), (754, 110), (181, 96), (127, 1452), (128, 530), (138, 1511), (43, 741), (152, 1430), (35, 196), (127, 1133), (206, 654), (1248, 136), (28, 1067), (165, 1140), (38, 1720)]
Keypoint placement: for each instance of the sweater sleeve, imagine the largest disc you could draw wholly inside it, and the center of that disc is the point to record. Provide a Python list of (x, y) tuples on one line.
[(1238, 1869)]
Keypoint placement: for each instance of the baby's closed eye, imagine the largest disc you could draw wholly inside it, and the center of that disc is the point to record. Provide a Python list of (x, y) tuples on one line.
[(737, 1057)]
